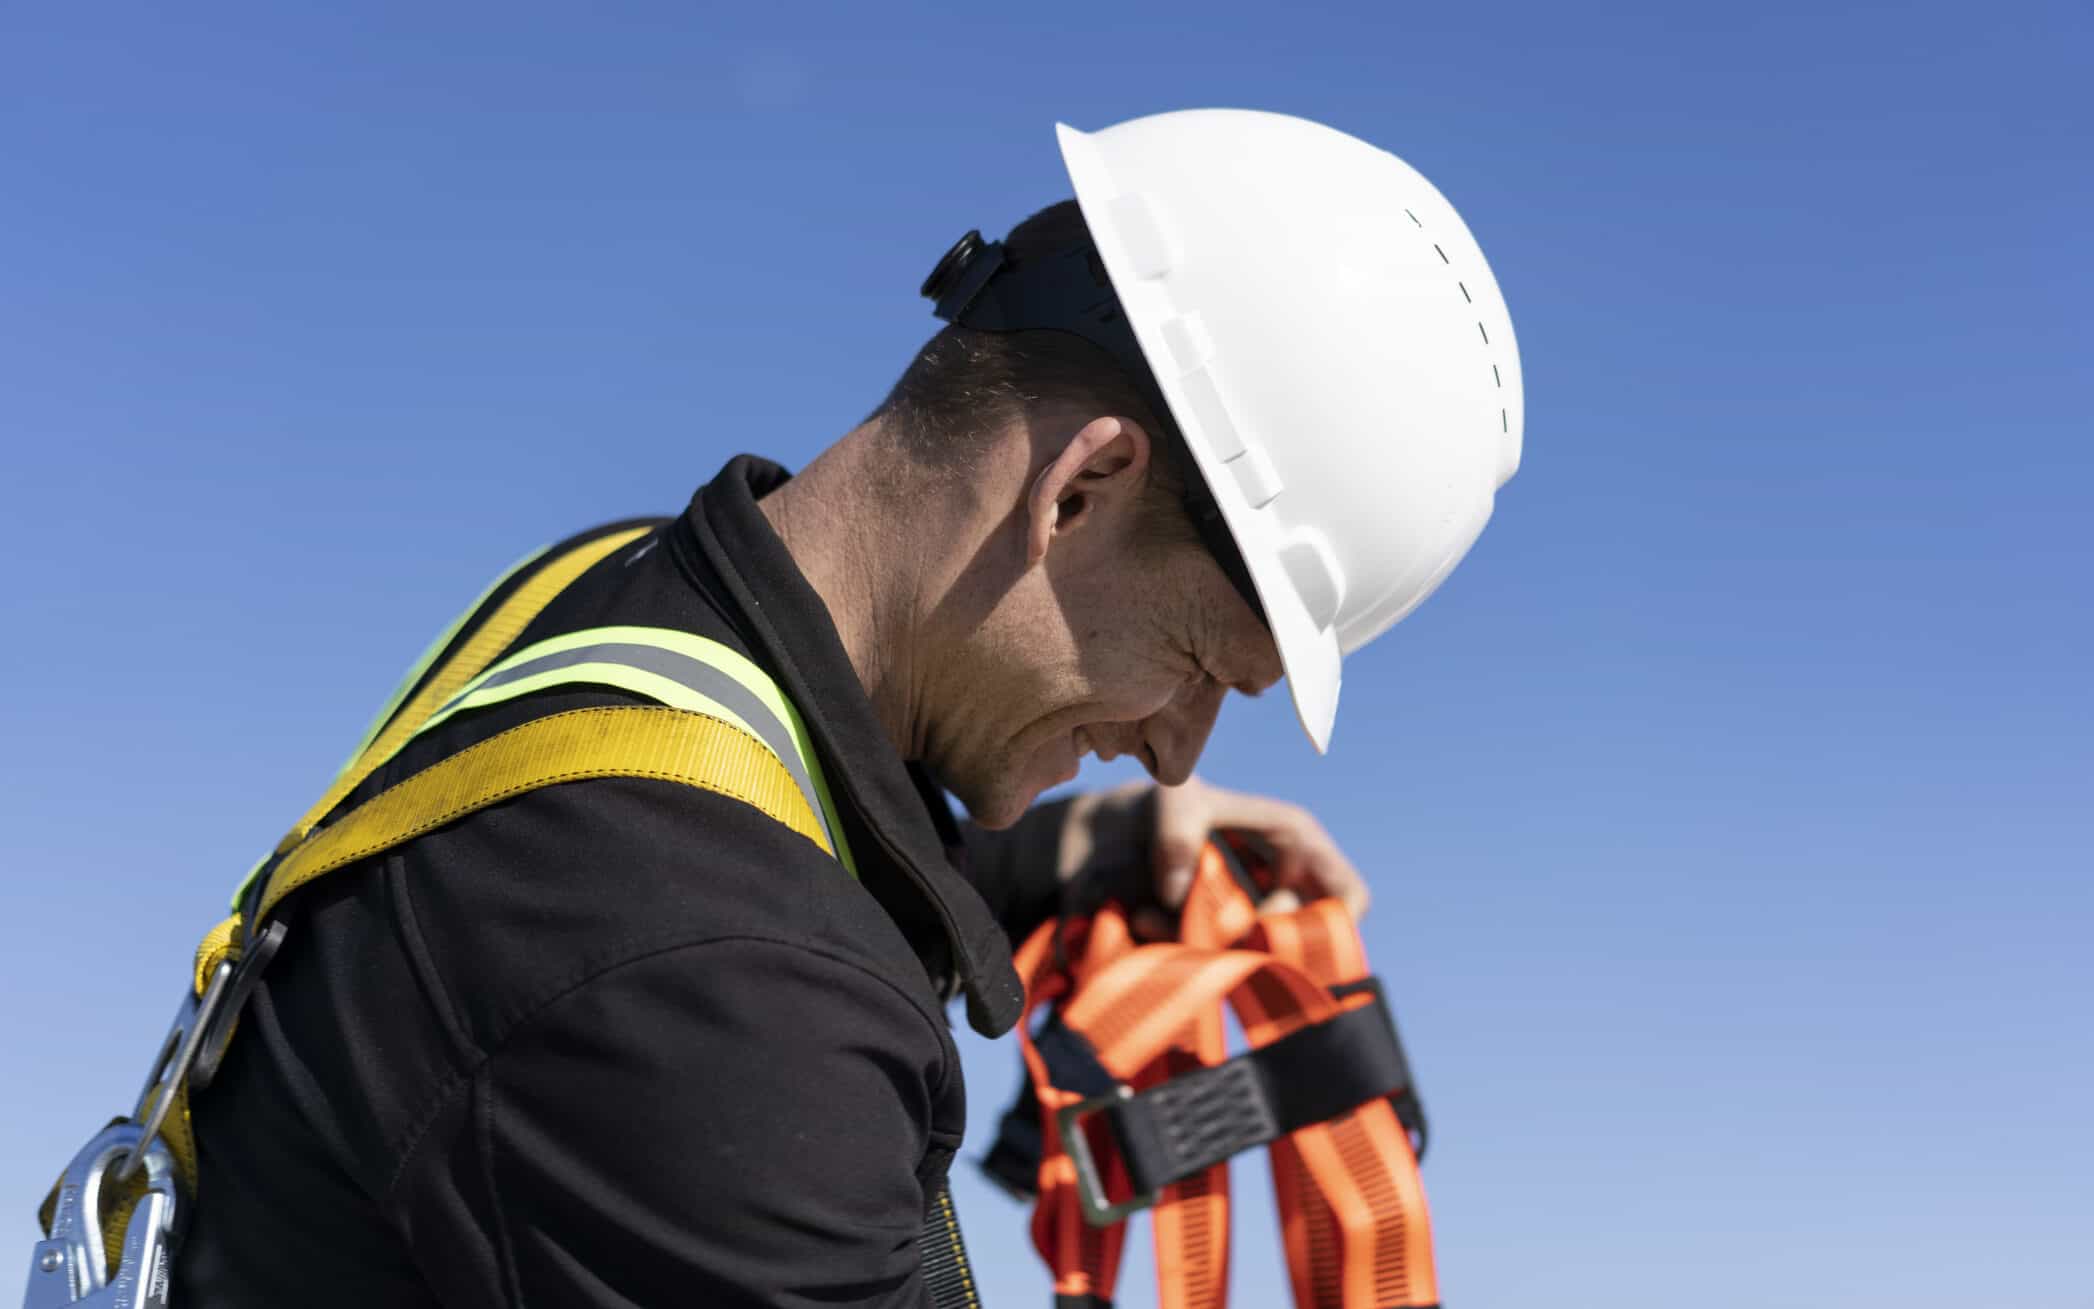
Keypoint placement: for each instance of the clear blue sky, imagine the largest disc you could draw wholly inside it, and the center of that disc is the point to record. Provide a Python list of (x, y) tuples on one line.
[(1731, 810)]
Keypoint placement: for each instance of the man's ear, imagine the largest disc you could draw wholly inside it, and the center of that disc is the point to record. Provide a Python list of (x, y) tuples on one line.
[(1106, 458)]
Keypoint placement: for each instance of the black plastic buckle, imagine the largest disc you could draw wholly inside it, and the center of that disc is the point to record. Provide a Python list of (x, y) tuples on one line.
[(1090, 1184)]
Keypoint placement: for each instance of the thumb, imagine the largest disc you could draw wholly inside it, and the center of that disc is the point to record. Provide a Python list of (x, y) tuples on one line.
[(1177, 853)]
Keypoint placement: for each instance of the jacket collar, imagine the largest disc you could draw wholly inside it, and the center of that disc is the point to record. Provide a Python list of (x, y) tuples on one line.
[(789, 631)]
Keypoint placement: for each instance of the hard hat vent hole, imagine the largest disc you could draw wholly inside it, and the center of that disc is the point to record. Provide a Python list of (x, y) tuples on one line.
[(1483, 330)]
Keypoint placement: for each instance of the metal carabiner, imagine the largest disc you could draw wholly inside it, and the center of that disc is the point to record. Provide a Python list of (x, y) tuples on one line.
[(70, 1268)]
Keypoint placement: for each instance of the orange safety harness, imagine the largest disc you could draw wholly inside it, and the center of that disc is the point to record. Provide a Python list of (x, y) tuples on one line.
[(1134, 1102)]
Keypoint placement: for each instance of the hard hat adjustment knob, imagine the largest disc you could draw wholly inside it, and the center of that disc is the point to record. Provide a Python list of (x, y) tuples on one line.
[(961, 273)]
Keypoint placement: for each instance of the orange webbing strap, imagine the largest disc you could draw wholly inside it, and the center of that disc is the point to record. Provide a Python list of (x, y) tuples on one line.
[(1353, 1213), (1351, 1202), (1084, 1260), (1352, 1205), (1189, 1227)]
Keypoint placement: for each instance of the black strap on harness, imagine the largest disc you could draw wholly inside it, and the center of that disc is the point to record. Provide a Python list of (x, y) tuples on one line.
[(947, 1274), (1183, 1126), (1197, 1119)]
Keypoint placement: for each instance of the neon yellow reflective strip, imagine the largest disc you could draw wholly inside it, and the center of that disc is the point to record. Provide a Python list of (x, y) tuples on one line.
[(729, 661), (618, 741), (240, 891), (488, 639), (428, 657), (496, 685), (637, 680), (407, 683), (759, 684), (492, 635)]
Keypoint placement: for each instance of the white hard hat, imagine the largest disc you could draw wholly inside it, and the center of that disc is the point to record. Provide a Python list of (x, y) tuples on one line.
[(1333, 348)]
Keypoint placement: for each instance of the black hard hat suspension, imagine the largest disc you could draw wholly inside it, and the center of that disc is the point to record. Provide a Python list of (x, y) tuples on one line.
[(977, 285)]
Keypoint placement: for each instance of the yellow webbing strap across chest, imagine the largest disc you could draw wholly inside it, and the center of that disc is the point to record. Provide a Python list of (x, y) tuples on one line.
[(493, 636), (688, 740), (671, 745)]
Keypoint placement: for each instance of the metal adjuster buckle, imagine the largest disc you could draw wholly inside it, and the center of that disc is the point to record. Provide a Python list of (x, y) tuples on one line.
[(185, 1036), (196, 1039), (219, 1030), (1090, 1184)]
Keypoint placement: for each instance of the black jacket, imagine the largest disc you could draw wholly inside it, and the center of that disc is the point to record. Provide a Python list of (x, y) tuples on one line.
[(621, 1042)]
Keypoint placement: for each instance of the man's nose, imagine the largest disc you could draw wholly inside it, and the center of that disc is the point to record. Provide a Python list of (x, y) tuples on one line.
[(1173, 738)]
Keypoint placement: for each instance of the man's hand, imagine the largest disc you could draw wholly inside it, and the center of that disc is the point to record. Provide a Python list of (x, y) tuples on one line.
[(1172, 823)]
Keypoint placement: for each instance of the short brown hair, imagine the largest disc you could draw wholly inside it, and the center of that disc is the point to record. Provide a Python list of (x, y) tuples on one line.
[(966, 384)]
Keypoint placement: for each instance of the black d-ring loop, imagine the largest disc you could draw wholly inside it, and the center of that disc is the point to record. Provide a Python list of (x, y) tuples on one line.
[(219, 1034)]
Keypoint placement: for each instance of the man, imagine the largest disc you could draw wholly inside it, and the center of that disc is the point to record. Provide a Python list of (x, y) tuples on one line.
[(625, 1042)]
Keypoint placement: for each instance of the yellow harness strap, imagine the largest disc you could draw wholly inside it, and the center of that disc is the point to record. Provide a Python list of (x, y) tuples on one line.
[(680, 744), (707, 751), (493, 636), (672, 745)]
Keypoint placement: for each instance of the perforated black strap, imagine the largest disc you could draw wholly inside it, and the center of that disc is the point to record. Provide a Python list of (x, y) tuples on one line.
[(1198, 1119), (947, 1274)]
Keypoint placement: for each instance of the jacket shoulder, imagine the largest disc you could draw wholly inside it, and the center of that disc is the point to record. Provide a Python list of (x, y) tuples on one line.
[(529, 898)]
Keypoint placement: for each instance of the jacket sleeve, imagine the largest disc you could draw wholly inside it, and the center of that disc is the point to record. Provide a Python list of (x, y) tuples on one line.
[(738, 1122), (1016, 869)]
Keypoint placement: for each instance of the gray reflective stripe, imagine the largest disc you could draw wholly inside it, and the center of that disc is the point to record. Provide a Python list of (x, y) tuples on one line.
[(696, 674)]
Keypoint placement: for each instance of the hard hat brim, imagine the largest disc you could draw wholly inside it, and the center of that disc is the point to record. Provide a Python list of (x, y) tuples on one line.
[(1309, 650)]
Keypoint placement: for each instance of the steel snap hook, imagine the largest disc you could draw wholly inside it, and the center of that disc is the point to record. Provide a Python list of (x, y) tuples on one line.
[(70, 1268)]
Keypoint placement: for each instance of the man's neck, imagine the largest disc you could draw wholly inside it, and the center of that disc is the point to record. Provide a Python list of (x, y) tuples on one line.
[(862, 545)]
